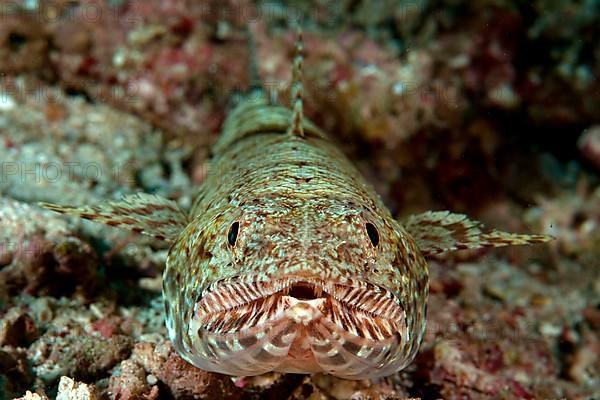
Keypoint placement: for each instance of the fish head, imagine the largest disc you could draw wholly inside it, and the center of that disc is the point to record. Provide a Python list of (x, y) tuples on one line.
[(298, 287)]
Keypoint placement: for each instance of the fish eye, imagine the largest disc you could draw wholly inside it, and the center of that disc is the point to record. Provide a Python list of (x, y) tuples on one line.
[(233, 233), (373, 233)]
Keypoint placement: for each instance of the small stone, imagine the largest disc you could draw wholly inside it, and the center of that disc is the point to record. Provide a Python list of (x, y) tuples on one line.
[(17, 328), (151, 379), (32, 396), (68, 389), (129, 381)]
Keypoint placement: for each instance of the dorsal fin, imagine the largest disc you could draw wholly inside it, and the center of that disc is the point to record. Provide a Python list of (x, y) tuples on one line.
[(253, 74), (255, 93), (297, 90)]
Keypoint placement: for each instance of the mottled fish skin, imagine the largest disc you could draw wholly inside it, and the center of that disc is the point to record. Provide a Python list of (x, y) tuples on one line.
[(288, 260), (302, 213)]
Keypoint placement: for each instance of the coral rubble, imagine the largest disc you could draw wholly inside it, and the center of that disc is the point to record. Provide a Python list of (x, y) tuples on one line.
[(488, 107)]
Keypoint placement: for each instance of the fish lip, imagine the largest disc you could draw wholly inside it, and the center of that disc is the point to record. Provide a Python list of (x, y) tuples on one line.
[(235, 292), (231, 293)]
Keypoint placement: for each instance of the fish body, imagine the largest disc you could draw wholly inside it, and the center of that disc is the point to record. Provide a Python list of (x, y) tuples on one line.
[(288, 259), (305, 287)]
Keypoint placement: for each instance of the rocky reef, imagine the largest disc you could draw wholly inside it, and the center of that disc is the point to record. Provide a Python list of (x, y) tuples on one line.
[(490, 108)]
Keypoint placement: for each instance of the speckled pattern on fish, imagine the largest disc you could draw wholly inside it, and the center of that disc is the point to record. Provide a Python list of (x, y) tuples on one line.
[(288, 260)]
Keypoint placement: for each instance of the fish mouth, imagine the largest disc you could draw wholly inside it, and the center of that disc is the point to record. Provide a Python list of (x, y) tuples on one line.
[(351, 329), (234, 293), (302, 290)]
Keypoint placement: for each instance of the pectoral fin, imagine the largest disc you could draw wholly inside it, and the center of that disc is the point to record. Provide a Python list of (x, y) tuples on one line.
[(442, 231), (141, 213)]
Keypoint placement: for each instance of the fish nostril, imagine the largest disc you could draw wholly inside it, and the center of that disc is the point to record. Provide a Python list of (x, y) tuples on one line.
[(303, 292)]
